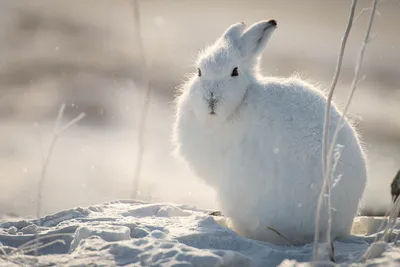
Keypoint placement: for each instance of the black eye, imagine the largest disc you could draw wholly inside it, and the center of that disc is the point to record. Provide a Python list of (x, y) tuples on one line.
[(235, 72), (199, 72)]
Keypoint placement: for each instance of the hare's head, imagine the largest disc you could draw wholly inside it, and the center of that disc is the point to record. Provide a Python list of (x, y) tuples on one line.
[(226, 69)]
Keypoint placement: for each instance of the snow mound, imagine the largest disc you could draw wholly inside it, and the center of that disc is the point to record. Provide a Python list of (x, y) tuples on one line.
[(133, 233)]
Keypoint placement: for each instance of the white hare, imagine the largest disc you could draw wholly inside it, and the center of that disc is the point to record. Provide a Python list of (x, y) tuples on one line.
[(257, 142)]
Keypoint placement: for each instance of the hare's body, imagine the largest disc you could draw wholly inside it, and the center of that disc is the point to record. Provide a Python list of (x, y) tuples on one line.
[(263, 156)]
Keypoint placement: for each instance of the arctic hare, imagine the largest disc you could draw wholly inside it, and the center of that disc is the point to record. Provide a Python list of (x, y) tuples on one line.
[(257, 142)]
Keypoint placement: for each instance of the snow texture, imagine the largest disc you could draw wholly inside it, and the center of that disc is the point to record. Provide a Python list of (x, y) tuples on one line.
[(132, 233)]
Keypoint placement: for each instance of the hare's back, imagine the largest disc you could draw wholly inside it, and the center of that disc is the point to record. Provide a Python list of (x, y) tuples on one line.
[(294, 112)]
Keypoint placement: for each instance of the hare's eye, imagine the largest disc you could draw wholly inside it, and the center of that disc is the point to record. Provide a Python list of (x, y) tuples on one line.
[(199, 72), (235, 72)]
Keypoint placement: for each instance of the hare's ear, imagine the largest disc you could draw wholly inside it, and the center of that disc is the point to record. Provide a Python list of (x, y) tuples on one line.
[(234, 32), (256, 37)]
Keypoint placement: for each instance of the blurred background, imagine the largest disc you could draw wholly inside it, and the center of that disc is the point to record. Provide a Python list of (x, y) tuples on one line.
[(86, 54)]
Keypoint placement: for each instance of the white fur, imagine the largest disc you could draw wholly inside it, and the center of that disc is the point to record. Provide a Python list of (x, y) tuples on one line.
[(261, 151)]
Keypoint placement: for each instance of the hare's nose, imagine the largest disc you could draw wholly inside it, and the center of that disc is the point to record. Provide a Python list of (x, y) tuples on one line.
[(212, 98), (212, 103)]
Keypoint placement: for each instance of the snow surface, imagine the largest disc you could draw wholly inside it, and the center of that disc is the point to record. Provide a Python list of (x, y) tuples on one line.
[(133, 233)]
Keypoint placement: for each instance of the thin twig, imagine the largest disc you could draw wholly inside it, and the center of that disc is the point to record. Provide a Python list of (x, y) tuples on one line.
[(334, 82), (71, 123), (13, 261), (147, 83), (138, 30), (43, 176), (391, 219), (281, 235), (143, 117), (141, 145), (356, 78), (46, 161), (42, 246), (30, 244), (325, 187), (56, 134), (59, 118), (3, 251), (354, 84)]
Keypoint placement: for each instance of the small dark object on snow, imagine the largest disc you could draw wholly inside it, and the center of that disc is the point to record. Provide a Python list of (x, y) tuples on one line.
[(216, 213), (332, 253), (395, 187)]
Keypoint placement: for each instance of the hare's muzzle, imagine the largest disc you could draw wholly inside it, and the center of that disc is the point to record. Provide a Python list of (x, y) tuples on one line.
[(212, 103)]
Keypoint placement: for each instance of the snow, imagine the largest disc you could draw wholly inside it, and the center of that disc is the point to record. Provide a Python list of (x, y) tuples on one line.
[(133, 233)]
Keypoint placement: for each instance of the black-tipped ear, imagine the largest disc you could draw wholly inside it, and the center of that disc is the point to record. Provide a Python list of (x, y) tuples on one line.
[(256, 37), (234, 32)]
